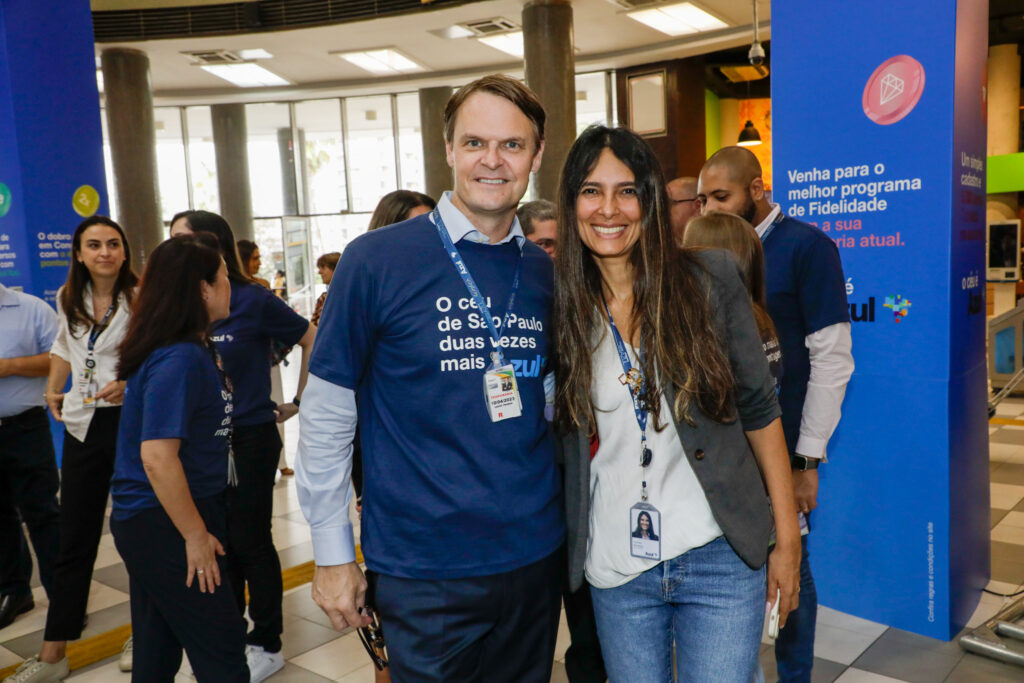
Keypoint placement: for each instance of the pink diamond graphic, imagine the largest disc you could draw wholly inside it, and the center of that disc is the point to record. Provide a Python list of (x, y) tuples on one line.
[(891, 87)]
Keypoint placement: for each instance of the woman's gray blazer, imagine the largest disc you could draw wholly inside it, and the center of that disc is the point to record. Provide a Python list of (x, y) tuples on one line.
[(719, 453)]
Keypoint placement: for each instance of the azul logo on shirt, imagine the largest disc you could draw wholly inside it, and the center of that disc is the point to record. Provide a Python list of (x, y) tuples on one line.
[(529, 368)]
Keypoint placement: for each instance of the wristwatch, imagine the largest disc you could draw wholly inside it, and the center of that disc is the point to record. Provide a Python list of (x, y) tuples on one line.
[(802, 463), (296, 401)]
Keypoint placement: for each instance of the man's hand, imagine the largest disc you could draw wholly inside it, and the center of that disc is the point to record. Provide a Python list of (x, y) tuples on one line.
[(805, 488), (340, 591), (286, 411)]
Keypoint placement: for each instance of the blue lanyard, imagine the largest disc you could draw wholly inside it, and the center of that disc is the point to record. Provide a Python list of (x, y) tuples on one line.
[(627, 367), (771, 226), (96, 331), (496, 334)]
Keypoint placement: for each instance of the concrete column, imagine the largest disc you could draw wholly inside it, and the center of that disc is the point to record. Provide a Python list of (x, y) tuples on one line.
[(129, 111), (436, 171), (230, 138), (1004, 67), (550, 72)]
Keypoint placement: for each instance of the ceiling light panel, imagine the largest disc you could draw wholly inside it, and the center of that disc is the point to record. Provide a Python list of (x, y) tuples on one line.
[(385, 61), (678, 19), (245, 75), (255, 53), (509, 43)]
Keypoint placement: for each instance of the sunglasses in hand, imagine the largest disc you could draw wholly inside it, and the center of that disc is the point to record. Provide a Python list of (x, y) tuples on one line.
[(372, 638)]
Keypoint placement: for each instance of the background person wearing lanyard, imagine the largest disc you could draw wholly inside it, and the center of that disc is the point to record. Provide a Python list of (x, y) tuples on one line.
[(462, 518), (172, 466), (669, 443), (243, 340), (93, 307)]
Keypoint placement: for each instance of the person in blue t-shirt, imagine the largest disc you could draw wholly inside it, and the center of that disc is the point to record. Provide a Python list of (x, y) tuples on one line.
[(462, 517), (171, 469), (807, 303), (244, 338)]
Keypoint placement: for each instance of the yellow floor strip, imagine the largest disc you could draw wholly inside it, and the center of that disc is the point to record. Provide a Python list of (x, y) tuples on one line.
[(83, 653), (1006, 421)]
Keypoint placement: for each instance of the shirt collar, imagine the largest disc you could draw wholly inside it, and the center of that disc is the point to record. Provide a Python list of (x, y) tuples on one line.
[(7, 297), (768, 220), (459, 226)]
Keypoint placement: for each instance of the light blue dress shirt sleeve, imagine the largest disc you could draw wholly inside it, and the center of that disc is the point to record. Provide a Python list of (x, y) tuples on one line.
[(323, 469)]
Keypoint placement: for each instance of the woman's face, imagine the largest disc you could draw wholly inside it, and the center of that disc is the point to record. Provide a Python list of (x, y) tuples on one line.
[(218, 295), (181, 227), (101, 251), (326, 273), (417, 211), (645, 522), (608, 213), (254, 262)]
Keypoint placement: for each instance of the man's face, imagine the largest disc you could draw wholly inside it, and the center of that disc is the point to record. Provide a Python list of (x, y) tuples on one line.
[(493, 151), (545, 235), (683, 207), (719, 192)]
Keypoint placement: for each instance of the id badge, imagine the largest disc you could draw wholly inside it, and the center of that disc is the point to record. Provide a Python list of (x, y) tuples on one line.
[(645, 532), (502, 393), (87, 388)]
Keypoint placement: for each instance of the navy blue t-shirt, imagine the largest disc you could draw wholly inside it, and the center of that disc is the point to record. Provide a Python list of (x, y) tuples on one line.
[(243, 340), (806, 293), (175, 394), (447, 493)]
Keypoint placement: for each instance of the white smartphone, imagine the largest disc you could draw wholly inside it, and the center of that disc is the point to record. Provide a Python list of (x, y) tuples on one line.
[(773, 616)]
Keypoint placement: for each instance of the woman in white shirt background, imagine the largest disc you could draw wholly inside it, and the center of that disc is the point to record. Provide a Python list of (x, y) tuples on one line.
[(93, 307)]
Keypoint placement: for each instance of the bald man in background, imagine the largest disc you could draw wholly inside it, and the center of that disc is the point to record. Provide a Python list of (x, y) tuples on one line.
[(807, 302), (683, 204)]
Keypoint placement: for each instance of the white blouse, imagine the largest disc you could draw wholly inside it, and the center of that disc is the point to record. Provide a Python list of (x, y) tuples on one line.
[(74, 348), (616, 476)]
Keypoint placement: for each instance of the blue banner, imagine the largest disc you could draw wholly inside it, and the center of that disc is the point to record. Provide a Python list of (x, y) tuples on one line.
[(881, 144)]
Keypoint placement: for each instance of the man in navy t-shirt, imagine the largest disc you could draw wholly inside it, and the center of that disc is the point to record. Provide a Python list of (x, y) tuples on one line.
[(807, 302), (436, 336)]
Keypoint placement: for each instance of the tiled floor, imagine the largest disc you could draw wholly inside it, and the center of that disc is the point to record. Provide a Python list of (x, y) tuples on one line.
[(847, 649)]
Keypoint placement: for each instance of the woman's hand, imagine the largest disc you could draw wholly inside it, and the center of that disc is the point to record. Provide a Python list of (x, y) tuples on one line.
[(112, 393), (55, 401), (201, 551), (286, 411), (784, 577)]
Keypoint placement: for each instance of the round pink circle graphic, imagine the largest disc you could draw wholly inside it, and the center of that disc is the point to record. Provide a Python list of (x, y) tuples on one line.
[(893, 90)]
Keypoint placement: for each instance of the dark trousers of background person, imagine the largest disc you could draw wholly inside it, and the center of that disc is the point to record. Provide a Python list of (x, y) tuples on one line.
[(85, 470), (28, 492), (252, 557), (486, 628), (794, 648), (167, 616), (583, 661)]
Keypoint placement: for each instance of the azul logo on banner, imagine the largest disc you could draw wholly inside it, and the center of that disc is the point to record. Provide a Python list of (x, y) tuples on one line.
[(900, 306)]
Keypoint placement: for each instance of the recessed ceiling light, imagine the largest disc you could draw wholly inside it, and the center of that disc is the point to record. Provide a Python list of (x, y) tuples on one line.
[(678, 20), (255, 53), (454, 31), (245, 75), (382, 61), (509, 43)]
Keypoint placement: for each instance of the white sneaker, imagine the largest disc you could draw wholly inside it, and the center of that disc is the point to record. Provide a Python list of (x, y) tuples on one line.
[(34, 671), (125, 662), (262, 664)]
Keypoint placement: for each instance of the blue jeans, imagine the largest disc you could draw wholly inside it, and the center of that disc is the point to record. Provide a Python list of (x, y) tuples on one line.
[(707, 600), (794, 648)]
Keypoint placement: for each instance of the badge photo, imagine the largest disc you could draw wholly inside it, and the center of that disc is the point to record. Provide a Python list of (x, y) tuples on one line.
[(645, 532)]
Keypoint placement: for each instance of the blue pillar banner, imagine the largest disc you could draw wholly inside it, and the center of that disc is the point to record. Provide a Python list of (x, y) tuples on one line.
[(879, 140), (51, 150), (51, 144)]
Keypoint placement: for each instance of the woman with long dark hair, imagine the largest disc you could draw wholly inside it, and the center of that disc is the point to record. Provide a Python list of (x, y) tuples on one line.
[(660, 373), (93, 308), (244, 339), (172, 468), (398, 206)]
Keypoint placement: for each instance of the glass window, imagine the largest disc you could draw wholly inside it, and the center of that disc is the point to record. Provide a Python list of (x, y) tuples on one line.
[(323, 160), (108, 165), (170, 161), (371, 150), (202, 159), (591, 100), (410, 142), (271, 164)]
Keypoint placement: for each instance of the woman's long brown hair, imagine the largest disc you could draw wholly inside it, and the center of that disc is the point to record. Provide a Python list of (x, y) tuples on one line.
[(72, 294), (723, 230), (671, 303)]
